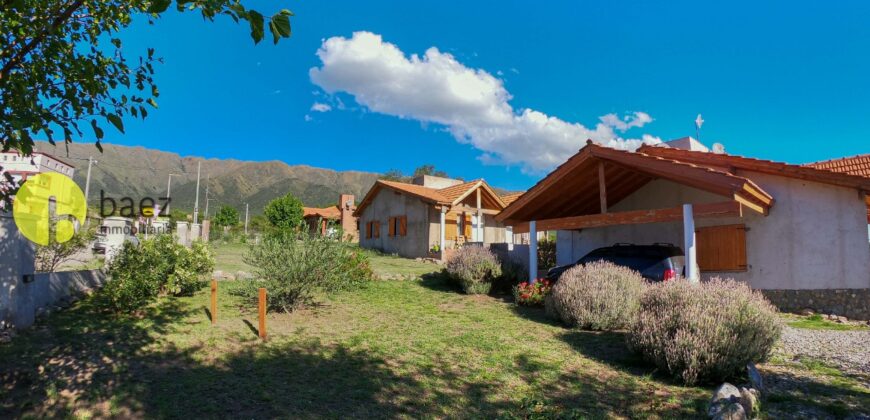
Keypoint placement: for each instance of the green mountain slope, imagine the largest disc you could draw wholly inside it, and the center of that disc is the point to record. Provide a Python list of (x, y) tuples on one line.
[(138, 172)]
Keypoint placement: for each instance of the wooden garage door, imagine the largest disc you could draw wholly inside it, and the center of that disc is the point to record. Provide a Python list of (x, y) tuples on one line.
[(722, 248)]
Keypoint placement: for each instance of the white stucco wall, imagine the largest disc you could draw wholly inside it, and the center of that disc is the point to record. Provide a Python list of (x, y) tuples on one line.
[(815, 236)]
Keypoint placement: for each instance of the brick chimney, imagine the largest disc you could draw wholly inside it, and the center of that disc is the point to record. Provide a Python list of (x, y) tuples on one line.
[(348, 222)]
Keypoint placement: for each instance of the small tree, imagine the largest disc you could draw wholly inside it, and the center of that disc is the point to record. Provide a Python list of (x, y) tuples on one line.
[(284, 212), (429, 170), (226, 216), (51, 256)]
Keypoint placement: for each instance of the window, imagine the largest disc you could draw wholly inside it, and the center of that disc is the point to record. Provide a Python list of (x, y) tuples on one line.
[(722, 248), (398, 226)]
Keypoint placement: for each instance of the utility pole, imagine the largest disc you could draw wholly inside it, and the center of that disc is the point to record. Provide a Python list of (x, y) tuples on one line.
[(205, 217), (168, 190), (196, 203), (91, 162), (246, 219)]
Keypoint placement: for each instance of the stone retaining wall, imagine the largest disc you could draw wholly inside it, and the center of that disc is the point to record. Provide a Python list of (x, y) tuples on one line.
[(851, 303)]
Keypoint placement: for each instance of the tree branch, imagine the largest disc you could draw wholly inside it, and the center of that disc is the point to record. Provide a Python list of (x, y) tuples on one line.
[(16, 59)]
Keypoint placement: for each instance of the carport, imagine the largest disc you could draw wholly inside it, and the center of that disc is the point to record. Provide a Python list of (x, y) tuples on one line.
[(579, 194)]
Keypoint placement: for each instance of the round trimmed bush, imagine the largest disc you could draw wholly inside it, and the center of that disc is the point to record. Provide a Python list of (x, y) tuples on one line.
[(704, 332), (474, 268), (596, 296)]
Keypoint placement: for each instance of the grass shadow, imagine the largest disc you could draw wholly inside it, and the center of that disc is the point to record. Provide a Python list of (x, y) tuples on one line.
[(797, 393), (439, 281), (610, 348), (252, 328)]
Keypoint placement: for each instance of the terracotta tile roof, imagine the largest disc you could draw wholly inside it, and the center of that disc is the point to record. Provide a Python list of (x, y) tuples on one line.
[(458, 190), (332, 212), (510, 198), (809, 173), (855, 165)]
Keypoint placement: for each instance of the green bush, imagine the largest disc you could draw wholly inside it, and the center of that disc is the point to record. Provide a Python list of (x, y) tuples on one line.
[(296, 268), (474, 268), (546, 254), (704, 332), (596, 296), (158, 266), (512, 274)]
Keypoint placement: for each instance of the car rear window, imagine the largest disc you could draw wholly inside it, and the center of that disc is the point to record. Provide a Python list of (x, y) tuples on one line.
[(637, 263)]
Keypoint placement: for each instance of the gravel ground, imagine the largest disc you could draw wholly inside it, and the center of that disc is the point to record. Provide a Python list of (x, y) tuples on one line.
[(847, 350)]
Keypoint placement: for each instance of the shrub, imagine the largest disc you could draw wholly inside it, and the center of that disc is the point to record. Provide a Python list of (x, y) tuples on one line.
[(705, 332), (546, 254), (512, 274), (156, 267), (526, 294), (295, 268), (596, 296), (474, 268)]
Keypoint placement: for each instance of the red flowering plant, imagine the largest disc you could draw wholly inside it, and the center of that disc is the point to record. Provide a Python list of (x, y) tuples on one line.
[(532, 294)]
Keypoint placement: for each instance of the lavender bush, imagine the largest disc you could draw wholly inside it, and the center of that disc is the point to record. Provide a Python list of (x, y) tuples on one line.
[(596, 296), (704, 332), (474, 268)]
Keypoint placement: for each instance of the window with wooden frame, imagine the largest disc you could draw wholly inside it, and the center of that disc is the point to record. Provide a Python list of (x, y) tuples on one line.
[(369, 230), (398, 226), (391, 228), (721, 248), (377, 229)]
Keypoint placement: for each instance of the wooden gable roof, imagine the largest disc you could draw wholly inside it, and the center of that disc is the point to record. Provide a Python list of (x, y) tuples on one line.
[(572, 189), (450, 196)]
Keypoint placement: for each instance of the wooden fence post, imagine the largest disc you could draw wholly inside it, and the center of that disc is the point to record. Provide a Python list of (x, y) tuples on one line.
[(214, 301), (262, 310)]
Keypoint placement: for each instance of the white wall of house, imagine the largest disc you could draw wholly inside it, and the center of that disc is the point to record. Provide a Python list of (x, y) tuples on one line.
[(815, 236)]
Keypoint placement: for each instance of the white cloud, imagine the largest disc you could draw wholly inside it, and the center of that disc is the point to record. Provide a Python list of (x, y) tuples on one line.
[(308, 118), (638, 119), (472, 104), (321, 107)]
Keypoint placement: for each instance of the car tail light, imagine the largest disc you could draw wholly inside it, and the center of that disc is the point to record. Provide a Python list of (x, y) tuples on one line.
[(669, 274)]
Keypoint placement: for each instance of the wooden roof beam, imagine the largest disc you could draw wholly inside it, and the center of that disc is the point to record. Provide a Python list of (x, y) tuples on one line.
[(633, 217)]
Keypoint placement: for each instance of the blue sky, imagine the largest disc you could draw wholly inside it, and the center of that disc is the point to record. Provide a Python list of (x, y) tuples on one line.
[(784, 81)]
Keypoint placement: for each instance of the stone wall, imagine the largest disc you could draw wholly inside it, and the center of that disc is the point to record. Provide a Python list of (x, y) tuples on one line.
[(851, 303)]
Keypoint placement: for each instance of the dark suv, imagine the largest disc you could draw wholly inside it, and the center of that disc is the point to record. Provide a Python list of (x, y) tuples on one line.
[(656, 262)]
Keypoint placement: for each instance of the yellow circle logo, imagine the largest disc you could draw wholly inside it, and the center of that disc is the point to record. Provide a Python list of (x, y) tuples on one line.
[(33, 213)]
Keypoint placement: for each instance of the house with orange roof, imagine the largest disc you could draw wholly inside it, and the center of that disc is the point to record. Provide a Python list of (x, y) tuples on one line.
[(855, 165), (798, 233), (328, 220), (430, 216)]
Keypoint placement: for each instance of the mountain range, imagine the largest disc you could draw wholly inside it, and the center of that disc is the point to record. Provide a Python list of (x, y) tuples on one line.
[(138, 172)]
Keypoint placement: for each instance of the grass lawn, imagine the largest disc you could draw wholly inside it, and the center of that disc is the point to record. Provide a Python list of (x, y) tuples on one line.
[(399, 348), (229, 257), (817, 322)]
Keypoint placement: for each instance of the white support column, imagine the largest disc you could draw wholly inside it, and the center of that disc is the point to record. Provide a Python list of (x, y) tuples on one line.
[(509, 237), (479, 219), (689, 244), (533, 252), (441, 228)]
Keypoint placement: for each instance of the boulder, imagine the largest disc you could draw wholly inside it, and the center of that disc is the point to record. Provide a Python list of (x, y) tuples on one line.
[(730, 411), (750, 403), (723, 399), (807, 312)]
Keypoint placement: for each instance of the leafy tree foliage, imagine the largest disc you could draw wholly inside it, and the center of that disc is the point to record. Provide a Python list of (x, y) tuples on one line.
[(429, 170), (393, 175), (226, 216), (284, 212), (64, 75)]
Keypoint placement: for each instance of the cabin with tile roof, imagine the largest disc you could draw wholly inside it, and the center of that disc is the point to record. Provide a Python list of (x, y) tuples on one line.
[(430, 213), (797, 233)]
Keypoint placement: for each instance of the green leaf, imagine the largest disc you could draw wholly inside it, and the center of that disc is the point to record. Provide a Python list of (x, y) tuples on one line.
[(279, 26), (152, 102), (159, 6), (97, 130), (256, 21), (116, 121)]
